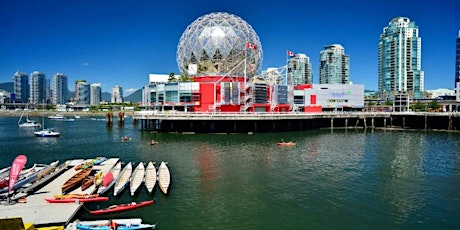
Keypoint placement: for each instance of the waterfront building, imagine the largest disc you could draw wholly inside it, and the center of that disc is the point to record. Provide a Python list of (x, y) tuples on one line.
[(117, 94), (327, 97), (457, 68), (299, 70), (21, 87), (400, 60), (37, 88), (96, 93), (60, 89), (334, 66), (82, 92)]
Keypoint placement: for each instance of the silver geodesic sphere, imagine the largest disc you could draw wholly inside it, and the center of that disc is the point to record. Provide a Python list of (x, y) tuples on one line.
[(217, 43)]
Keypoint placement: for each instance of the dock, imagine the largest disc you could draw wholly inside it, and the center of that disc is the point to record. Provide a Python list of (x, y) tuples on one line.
[(38, 211)]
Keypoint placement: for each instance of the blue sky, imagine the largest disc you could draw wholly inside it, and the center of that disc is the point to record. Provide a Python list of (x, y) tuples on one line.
[(120, 42)]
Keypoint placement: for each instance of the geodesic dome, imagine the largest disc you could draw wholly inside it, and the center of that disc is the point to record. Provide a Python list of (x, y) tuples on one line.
[(218, 43)]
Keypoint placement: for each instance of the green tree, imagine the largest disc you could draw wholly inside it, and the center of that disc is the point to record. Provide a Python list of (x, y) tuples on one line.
[(418, 106), (172, 77), (434, 105)]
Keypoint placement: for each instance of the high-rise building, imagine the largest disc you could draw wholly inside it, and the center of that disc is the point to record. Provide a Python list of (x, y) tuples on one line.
[(400, 60), (59, 89), (82, 92), (117, 94), (299, 70), (334, 65), (457, 68), (37, 88), (21, 87), (95, 95)]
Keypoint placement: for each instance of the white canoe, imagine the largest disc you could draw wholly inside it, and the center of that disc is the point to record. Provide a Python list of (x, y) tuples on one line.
[(164, 178), (109, 178), (150, 177), (137, 178), (123, 180)]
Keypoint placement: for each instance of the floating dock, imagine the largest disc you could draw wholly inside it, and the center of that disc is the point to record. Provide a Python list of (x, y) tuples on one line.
[(38, 211)]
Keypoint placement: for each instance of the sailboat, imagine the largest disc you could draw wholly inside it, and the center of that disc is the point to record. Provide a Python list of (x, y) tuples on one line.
[(28, 122), (46, 132)]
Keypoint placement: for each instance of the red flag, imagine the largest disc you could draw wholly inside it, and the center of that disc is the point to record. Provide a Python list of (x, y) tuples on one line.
[(290, 53), (15, 170), (251, 46)]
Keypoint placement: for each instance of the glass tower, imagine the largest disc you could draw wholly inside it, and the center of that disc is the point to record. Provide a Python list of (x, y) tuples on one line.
[(400, 60), (60, 89), (21, 87), (95, 94), (37, 88), (299, 68), (334, 65)]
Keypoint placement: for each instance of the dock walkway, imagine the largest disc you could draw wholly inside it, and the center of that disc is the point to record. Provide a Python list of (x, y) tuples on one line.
[(38, 211)]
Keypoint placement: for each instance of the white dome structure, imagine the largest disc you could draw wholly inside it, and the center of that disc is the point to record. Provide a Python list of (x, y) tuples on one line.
[(217, 44)]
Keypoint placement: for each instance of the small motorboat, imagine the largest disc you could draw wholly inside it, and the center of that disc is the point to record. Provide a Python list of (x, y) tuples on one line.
[(81, 200), (122, 207), (290, 143)]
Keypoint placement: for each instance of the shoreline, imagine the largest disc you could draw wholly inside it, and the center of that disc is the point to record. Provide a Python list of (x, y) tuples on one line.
[(14, 113)]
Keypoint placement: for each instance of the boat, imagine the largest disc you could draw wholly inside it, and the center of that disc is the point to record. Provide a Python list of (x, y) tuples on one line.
[(110, 178), (98, 179), (164, 177), (99, 160), (75, 180), (119, 227), (75, 195), (60, 117), (122, 207), (150, 177), (47, 133), (28, 176), (77, 199), (137, 178), (133, 223), (290, 143), (28, 122), (40, 182), (123, 179), (86, 182)]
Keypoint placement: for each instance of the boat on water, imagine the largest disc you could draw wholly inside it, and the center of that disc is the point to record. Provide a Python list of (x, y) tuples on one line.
[(75, 180), (110, 178), (133, 223), (123, 179), (119, 227), (150, 177), (99, 160), (28, 123), (290, 143), (60, 117), (164, 177), (77, 199), (137, 178), (47, 133), (122, 207)]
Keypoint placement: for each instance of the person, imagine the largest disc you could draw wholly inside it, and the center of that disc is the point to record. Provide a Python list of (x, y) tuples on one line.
[(113, 225), (153, 142)]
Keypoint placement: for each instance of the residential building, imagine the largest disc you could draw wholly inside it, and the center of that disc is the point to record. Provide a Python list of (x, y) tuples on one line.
[(21, 87), (299, 70), (334, 66), (117, 94), (59, 89), (95, 95), (82, 92), (37, 88), (457, 68), (399, 60)]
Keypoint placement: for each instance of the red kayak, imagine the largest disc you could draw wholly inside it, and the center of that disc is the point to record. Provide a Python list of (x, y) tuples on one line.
[(81, 200), (122, 207)]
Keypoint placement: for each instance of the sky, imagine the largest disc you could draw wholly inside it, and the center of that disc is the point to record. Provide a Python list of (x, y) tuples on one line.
[(116, 42)]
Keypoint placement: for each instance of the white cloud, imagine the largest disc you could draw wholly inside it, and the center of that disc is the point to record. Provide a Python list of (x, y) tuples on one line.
[(85, 64)]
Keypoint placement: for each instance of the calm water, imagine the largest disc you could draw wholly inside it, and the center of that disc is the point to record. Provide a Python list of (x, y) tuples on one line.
[(345, 179)]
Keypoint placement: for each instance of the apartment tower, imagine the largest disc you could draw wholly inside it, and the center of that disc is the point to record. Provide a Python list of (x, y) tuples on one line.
[(299, 70), (334, 65), (21, 87), (400, 60), (60, 89)]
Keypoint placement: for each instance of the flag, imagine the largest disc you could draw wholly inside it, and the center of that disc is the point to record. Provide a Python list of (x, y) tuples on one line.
[(290, 53), (15, 170), (251, 46)]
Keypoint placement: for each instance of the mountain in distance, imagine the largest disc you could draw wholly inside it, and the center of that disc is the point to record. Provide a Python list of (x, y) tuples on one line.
[(136, 96), (7, 86)]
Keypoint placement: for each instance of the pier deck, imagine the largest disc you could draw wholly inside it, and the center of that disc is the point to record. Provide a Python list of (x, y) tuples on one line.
[(40, 212)]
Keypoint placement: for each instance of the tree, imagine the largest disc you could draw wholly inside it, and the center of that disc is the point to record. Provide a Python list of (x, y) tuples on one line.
[(418, 106), (434, 105), (184, 77), (172, 77)]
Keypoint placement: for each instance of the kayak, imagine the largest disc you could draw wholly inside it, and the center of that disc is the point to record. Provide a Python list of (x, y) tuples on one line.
[(119, 227), (81, 200), (122, 207)]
